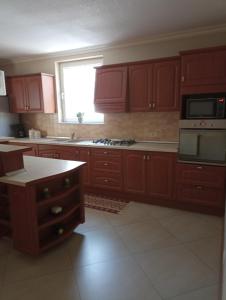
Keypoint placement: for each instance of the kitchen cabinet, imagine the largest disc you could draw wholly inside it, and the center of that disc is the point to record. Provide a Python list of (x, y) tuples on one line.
[(150, 173), (31, 93), (154, 86), (85, 155), (140, 86), (33, 222), (111, 89), (49, 151), (134, 172), (203, 70), (201, 185), (160, 168), (106, 169)]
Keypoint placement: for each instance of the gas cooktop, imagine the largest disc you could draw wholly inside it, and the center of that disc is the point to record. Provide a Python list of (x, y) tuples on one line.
[(114, 142)]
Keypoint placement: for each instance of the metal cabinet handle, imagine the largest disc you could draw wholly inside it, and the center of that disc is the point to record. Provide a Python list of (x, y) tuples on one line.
[(199, 168), (153, 105), (88, 153), (148, 157), (106, 180), (105, 152), (199, 187), (182, 78), (150, 105), (144, 157), (105, 164)]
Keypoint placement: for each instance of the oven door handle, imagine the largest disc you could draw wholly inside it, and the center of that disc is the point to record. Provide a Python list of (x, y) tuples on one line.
[(198, 144)]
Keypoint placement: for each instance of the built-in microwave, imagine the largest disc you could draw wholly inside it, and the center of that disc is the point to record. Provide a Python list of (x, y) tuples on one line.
[(204, 106)]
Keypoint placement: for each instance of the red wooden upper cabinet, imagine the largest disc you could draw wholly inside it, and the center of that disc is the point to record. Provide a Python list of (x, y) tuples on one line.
[(140, 86), (111, 89), (31, 93), (203, 70), (154, 85), (166, 79)]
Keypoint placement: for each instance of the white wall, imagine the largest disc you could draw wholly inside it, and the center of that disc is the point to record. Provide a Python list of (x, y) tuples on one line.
[(123, 54)]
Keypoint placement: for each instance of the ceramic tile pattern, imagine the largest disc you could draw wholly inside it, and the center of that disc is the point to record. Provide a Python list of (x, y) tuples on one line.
[(139, 126), (146, 252)]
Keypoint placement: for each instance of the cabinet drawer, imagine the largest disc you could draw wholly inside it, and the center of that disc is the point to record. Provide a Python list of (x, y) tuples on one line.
[(199, 194), (201, 174), (106, 152), (107, 180), (112, 164)]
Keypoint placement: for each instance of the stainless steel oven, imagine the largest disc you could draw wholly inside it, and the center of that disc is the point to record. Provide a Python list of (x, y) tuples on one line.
[(203, 141)]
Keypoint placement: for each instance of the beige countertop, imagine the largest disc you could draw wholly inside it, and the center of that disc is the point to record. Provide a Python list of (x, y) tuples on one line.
[(141, 146), (36, 168)]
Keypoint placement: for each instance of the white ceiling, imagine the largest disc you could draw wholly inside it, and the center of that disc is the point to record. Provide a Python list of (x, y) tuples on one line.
[(32, 27)]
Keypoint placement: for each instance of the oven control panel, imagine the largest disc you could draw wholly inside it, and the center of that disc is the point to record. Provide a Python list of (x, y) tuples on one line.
[(203, 124)]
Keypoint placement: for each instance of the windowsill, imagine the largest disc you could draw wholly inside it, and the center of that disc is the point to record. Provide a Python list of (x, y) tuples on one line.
[(83, 123)]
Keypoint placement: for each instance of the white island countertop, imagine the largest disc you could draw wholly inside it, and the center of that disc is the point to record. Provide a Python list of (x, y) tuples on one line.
[(37, 168), (5, 148)]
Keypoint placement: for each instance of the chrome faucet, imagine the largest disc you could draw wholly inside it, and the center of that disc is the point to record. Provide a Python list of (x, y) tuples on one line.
[(73, 135)]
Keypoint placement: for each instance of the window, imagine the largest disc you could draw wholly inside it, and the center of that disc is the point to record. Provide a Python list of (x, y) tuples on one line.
[(77, 82)]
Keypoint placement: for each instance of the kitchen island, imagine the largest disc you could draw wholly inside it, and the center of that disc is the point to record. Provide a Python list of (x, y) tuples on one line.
[(41, 203)]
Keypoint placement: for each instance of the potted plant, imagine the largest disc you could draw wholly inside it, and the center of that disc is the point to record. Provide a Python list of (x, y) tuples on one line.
[(80, 117)]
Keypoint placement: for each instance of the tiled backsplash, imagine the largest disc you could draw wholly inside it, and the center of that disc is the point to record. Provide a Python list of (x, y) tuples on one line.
[(140, 126)]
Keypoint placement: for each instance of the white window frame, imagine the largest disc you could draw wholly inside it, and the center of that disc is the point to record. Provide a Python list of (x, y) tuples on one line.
[(60, 89)]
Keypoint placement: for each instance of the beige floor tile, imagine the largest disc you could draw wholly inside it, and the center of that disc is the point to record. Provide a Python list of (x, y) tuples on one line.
[(95, 220), (3, 262), (208, 293), (95, 246), (190, 227), (209, 250), (160, 212), (59, 286), (21, 266), (174, 271), (5, 246), (118, 280), (144, 236)]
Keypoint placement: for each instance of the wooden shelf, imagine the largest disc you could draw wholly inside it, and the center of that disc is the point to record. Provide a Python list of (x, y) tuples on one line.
[(54, 239), (52, 199), (54, 219), (5, 222)]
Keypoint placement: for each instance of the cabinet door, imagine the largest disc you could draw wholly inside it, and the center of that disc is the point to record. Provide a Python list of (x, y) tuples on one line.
[(160, 174), (134, 171), (200, 195), (69, 153), (85, 156), (207, 67), (111, 89), (140, 87), (166, 76), (17, 94), (34, 93)]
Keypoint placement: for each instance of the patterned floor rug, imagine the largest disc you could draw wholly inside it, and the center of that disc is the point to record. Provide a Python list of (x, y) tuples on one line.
[(112, 205)]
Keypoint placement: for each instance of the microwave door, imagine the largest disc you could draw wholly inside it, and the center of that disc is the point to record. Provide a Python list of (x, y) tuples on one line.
[(189, 145)]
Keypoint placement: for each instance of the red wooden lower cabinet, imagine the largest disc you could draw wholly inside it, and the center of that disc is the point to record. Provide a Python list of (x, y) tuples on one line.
[(150, 174), (134, 172), (160, 175), (84, 155), (153, 177), (34, 224), (201, 187)]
